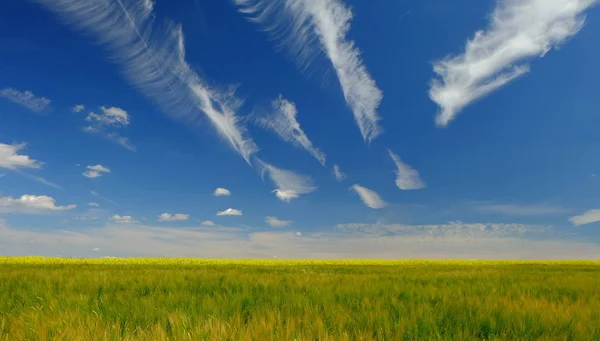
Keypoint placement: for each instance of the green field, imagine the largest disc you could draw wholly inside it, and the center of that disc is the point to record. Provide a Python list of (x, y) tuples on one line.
[(183, 299)]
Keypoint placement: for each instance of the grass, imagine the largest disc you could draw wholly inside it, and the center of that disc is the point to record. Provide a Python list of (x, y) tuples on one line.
[(188, 299)]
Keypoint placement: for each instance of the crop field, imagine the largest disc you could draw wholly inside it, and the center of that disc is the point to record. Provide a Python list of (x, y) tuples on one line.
[(190, 299)]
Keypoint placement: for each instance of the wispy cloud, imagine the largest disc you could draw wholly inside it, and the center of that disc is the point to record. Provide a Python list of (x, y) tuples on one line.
[(11, 159), (289, 184), (78, 108), (369, 197), (407, 178), (94, 193), (31, 204), (519, 31), (589, 217), (173, 217), (153, 59), (121, 141), (123, 219), (208, 223), (230, 211), (338, 174), (282, 120), (521, 210), (26, 99), (220, 192), (93, 204), (95, 171), (308, 27), (276, 222), (112, 116)]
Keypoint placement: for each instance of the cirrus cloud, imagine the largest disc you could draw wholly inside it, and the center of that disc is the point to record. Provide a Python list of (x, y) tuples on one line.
[(369, 197)]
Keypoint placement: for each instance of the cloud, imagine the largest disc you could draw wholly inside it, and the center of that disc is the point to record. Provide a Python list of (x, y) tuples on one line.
[(78, 108), (289, 184), (369, 197), (95, 171), (208, 223), (31, 204), (123, 219), (11, 159), (230, 211), (112, 116), (303, 23), (519, 31), (589, 217), (283, 121), (219, 192), (94, 193), (349, 241), (276, 222), (152, 57), (521, 210), (121, 141), (338, 174), (173, 217), (407, 178), (96, 249), (26, 99)]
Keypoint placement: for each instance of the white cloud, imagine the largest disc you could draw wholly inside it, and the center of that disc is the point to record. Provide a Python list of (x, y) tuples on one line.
[(369, 197), (78, 108), (93, 204), (345, 242), (276, 222), (283, 122), (289, 184), (301, 23), (96, 249), (121, 141), (11, 159), (112, 116), (230, 211), (94, 193), (407, 178), (156, 63), (31, 204), (221, 192), (589, 217), (123, 219), (173, 217), (520, 30), (208, 223), (521, 210), (95, 171), (338, 174), (26, 99)]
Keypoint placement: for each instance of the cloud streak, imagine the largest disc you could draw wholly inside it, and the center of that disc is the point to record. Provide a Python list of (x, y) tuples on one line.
[(369, 197), (152, 57), (519, 31), (307, 27), (407, 178), (283, 121), (26, 99)]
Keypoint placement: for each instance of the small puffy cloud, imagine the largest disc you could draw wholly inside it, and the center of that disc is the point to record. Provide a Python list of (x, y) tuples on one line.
[(589, 217), (31, 204), (93, 204), (123, 219), (208, 223), (230, 211), (96, 249), (219, 192), (11, 159), (369, 197), (298, 234), (95, 171), (407, 178), (78, 108), (110, 116), (276, 222), (173, 217), (289, 184), (337, 173), (26, 99), (518, 32)]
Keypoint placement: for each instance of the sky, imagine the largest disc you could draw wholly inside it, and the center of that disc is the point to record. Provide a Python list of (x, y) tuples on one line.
[(300, 129)]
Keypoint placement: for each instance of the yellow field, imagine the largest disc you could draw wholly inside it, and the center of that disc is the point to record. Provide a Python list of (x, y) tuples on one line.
[(200, 299)]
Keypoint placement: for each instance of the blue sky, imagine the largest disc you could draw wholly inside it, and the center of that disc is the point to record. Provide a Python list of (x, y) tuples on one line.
[(463, 130)]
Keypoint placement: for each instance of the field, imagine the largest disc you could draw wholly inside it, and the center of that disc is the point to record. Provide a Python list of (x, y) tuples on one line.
[(186, 299)]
